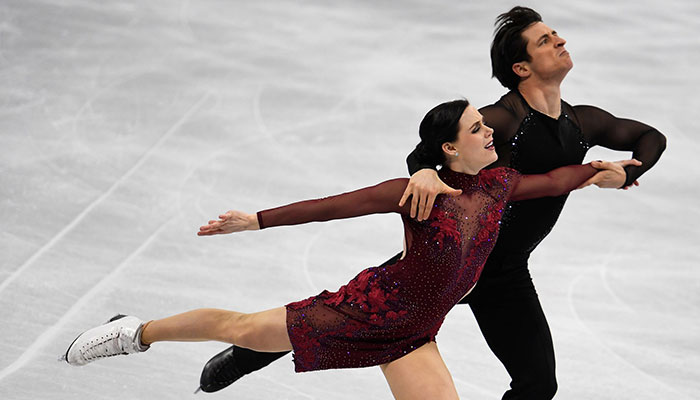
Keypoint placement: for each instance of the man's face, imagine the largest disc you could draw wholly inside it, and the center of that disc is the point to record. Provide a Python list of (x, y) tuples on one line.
[(549, 58)]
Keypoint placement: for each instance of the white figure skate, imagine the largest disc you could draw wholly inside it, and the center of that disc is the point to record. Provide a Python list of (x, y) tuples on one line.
[(120, 335)]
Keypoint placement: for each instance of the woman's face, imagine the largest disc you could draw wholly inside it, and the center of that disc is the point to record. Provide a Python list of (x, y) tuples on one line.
[(474, 144)]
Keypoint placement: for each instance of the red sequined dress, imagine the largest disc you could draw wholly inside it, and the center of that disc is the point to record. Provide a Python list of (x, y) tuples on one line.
[(386, 312)]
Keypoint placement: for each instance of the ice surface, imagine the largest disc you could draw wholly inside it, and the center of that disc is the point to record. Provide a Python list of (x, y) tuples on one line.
[(126, 125)]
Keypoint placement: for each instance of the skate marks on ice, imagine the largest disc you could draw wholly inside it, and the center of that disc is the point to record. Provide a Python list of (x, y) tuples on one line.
[(99, 200), (322, 91), (50, 333)]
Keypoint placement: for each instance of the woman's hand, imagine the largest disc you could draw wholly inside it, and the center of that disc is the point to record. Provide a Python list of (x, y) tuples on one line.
[(612, 174), (423, 188), (230, 222)]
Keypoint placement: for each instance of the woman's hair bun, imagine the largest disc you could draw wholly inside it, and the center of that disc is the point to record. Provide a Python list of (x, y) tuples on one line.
[(440, 125)]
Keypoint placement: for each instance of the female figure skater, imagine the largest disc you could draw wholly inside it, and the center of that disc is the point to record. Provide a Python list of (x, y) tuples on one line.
[(387, 315)]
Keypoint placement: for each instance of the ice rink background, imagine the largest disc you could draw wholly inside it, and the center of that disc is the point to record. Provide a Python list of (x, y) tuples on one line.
[(126, 125)]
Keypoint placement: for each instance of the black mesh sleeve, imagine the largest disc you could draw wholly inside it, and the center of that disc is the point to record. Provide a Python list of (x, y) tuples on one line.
[(601, 128)]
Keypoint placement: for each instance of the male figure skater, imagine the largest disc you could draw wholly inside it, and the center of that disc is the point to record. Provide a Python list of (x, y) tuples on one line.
[(534, 131)]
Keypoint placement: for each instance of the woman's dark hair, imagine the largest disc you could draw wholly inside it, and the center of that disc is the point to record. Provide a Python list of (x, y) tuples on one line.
[(440, 125), (509, 46)]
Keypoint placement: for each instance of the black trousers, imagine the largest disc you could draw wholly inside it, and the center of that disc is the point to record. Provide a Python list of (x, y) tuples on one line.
[(513, 323)]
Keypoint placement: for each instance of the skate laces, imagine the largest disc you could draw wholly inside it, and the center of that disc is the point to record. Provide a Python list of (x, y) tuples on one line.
[(110, 344), (118, 340)]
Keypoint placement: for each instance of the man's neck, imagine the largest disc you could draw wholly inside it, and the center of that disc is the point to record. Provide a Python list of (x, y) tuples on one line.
[(545, 98)]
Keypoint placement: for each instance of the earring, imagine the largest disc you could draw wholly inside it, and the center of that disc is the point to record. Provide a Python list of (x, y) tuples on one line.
[(457, 154)]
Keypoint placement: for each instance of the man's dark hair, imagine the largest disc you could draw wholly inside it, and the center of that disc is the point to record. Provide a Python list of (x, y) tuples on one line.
[(509, 46)]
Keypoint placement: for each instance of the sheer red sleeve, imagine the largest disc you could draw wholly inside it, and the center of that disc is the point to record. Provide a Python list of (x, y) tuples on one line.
[(554, 183), (381, 198)]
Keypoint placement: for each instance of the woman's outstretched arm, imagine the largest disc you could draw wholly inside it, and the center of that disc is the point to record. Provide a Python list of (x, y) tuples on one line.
[(381, 198), (565, 179)]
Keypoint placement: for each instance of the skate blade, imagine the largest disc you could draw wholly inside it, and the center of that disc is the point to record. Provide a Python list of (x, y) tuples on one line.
[(199, 389)]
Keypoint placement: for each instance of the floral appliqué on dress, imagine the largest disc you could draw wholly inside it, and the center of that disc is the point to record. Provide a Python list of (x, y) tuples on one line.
[(446, 224)]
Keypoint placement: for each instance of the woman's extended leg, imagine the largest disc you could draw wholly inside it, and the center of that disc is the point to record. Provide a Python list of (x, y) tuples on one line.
[(261, 331), (421, 374)]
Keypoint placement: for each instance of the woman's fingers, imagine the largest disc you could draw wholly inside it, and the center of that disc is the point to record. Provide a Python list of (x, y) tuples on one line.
[(228, 214), (209, 233), (600, 164), (589, 182), (229, 222), (632, 161)]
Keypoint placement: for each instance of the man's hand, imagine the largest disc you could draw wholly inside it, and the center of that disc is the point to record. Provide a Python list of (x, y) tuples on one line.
[(424, 187), (232, 221), (611, 175)]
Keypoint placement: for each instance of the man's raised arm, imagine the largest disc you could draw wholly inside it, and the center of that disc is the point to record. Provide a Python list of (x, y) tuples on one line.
[(646, 143)]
